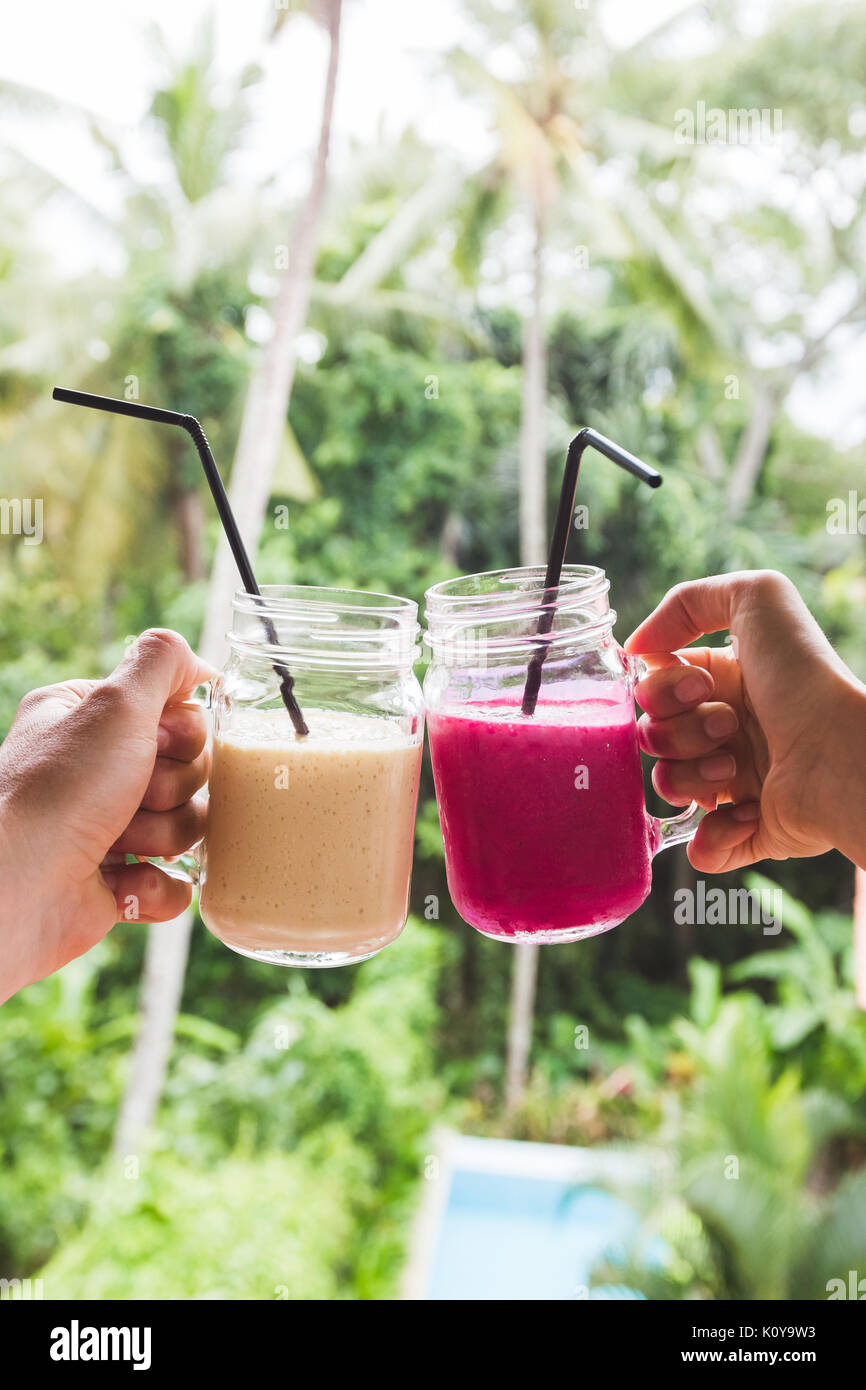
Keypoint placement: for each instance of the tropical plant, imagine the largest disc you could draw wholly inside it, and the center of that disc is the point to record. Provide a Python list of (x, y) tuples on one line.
[(757, 1208)]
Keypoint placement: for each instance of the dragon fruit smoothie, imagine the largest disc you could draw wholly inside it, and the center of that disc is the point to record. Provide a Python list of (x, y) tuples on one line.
[(543, 817)]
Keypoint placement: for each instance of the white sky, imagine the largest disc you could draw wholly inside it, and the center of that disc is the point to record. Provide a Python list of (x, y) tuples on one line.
[(97, 53)]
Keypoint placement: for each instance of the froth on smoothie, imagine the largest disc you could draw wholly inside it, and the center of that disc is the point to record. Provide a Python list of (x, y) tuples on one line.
[(309, 840)]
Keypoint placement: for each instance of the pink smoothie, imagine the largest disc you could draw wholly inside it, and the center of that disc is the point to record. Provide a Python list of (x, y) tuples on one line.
[(543, 818)]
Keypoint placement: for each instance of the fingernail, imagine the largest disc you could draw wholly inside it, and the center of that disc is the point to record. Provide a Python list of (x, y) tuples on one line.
[(110, 879), (720, 723), (690, 689), (747, 810), (717, 769), (163, 739)]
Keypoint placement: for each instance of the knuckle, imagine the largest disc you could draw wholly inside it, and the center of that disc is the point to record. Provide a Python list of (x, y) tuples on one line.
[(661, 780), (34, 698), (770, 585), (159, 794), (677, 590), (107, 698), (681, 596), (194, 814), (159, 641), (181, 827), (656, 738)]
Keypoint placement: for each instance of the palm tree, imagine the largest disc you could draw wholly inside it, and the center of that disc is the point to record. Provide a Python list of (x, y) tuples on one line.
[(535, 131), (545, 127), (262, 432), (187, 252), (263, 425), (583, 117)]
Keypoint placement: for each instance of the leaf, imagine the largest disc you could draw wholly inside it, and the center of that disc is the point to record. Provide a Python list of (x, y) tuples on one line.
[(828, 1117), (186, 1025), (203, 1031), (795, 916), (706, 978), (790, 1024), (293, 477), (837, 1245), (770, 965)]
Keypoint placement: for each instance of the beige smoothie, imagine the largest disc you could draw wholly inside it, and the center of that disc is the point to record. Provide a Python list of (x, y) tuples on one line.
[(309, 840)]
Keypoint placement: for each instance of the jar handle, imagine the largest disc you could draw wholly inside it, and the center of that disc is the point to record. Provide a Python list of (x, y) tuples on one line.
[(667, 830), (674, 830)]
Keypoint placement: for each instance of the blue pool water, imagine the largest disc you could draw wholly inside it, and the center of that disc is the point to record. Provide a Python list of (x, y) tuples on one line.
[(510, 1237)]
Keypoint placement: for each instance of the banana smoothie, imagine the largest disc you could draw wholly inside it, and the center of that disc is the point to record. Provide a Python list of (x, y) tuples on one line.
[(308, 849)]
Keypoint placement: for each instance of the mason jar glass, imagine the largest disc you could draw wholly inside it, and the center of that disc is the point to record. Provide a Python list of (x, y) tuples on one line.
[(547, 837), (307, 854)]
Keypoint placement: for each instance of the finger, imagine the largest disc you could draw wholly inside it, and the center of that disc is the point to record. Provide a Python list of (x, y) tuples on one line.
[(704, 780), (145, 893), (727, 839), (182, 731), (172, 783), (159, 669), (686, 612), (673, 687), (691, 735), (163, 833)]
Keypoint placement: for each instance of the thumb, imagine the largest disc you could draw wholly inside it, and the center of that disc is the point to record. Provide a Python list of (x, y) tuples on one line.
[(160, 668), (110, 739), (762, 609), (687, 611)]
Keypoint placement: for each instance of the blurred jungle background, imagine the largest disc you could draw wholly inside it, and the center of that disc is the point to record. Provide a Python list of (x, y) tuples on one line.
[(392, 256)]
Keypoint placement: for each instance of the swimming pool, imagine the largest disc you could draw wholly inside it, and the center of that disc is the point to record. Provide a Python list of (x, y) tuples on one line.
[(505, 1220)]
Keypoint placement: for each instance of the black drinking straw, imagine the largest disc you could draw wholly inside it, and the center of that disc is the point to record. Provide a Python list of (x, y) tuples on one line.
[(218, 492), (585, 438)]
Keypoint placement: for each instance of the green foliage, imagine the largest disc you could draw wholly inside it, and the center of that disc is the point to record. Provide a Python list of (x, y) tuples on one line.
[(816, 1016), (305, 1136), (761, 1207), (58, 1098), (277, 1228), (402, 442)]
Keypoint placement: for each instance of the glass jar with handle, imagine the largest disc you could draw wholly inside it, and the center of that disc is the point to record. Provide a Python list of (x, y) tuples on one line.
[(307, 853), (547, 836)]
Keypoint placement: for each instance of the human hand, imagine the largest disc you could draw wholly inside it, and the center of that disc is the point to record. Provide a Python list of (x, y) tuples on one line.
[(92, 771), (771, 730)]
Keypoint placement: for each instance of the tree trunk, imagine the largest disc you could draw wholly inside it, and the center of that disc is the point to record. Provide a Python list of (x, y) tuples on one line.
[(449, 539), (533, 548), (161, 990), (752, 449), (710, 454), (533, 494), (682, 875), (522, 1013), (264, 418), (189, 520), (261, 436)]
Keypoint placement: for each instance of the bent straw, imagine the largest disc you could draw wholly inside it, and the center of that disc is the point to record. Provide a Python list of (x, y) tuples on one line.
[(585, 438), (218, 492)]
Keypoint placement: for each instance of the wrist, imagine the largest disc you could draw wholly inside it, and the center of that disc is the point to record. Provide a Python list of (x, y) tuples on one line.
[(20, 901), (846, 810)]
